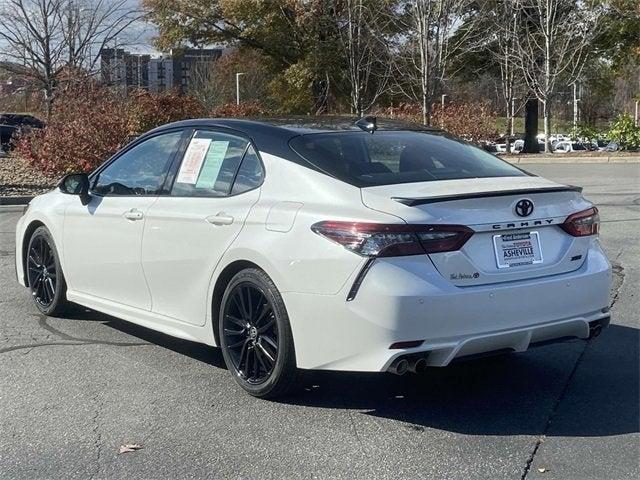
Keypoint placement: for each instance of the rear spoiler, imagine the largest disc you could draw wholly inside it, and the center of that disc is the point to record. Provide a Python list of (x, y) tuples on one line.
[(412, 202)]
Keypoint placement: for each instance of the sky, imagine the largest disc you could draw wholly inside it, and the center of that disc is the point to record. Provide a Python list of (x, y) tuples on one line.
[(141, 33)]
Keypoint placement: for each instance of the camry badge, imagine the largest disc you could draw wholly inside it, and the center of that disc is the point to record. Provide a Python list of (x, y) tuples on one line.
[(524, 208)]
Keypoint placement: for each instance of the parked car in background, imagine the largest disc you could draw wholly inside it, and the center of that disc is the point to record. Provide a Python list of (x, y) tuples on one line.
[(495, 148), (518, 146), (6, 134), (612, 147), (558, 137), (20, 120), (13, 123), (570, 147)]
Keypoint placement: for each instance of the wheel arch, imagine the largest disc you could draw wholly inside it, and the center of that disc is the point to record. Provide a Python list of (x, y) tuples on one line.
[(220, 285), (26, 237)]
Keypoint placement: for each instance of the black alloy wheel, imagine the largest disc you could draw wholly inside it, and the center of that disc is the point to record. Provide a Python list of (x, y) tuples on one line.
[(255, 335), (42, 271), (251, 333), (44, 274)]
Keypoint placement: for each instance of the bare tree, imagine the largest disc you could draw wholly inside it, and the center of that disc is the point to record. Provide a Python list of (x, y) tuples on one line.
[(362, 26), (555, 40), (432, 35), (44, 38), (504, 19)]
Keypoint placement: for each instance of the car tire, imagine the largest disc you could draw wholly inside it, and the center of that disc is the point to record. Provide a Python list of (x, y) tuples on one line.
[(255, 335), (44, 274)]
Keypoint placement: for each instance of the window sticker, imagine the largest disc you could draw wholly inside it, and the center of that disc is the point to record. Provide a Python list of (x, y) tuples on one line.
[(212, 164), (193, 158)]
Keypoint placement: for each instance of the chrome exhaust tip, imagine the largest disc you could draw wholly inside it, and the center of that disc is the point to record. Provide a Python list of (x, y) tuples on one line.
[(418, 365), (399, 367)]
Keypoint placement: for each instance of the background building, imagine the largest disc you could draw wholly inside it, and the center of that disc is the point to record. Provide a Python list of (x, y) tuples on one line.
[(190, 63), (179, 69), (161, 74), (125, 69)]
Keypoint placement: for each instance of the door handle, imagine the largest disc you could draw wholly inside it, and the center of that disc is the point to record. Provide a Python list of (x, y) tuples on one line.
[(220, 219), (133, 214)]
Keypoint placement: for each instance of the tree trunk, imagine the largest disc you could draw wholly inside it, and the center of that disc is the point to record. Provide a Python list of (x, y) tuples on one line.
[(508, 130), (547, 132), (424, 109), (531, 126)]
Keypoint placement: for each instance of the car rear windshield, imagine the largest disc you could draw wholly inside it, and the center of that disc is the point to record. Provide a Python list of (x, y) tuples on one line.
[(390, 157)]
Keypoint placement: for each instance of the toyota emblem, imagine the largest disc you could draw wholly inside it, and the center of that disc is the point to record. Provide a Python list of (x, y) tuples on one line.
[(524, 207)]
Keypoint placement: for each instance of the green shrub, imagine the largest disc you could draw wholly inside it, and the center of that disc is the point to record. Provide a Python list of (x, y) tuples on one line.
[(624, 131)]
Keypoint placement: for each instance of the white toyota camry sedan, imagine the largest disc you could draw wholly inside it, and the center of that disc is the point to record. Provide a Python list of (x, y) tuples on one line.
[(320, 243)]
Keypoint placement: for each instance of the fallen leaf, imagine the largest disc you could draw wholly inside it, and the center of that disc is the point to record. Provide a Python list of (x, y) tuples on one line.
[(130, 447)]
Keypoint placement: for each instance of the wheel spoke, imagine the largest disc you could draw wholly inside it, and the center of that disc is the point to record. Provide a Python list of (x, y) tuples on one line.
[(249, 303), (264, 310), (265, 353), (42, 250), (236, 320), (270, 341), (240, 303), (244, 353), (260, 355), (232, 332), (237, 344), (267, 325), (33, 260), (42, 291), (256, 368)]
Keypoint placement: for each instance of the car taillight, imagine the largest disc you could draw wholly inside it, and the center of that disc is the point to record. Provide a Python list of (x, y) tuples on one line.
[(392, 240), (583, 223)]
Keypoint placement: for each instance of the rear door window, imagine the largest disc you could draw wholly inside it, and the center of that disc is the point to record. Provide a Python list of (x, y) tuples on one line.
[(209, 165), (390, 157)]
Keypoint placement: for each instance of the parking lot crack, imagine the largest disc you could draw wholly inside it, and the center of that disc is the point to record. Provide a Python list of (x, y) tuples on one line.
[(96, 432), (67, 344), (552, 414), (618, 280)]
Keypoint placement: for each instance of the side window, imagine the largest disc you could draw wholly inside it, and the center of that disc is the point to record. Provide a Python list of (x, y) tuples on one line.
[(141, 170), (209, 166), (250, 173)]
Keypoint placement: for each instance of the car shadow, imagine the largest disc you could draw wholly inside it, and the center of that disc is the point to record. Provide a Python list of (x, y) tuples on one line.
[(532, 393), (197, 351)]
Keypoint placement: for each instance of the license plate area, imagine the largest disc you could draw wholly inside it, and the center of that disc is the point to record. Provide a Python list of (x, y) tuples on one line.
[(517, 249)]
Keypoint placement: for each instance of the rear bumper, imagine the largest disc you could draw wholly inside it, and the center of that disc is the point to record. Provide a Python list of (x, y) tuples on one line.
[(406, 299)]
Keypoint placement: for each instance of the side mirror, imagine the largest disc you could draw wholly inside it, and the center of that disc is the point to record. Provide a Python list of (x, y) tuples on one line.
[(76, 184)]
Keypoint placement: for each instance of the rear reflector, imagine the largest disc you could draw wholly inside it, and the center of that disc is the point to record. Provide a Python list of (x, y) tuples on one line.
[(583, 223), (392, 240)]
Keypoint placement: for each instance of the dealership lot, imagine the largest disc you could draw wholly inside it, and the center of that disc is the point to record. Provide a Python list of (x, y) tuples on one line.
[(73, 390)]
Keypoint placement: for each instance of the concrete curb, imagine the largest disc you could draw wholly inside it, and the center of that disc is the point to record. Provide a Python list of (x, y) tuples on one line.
[(15, 200), (576, 159)]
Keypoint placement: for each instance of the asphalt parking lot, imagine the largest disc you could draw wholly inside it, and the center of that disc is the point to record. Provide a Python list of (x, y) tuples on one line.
[(73, 390)]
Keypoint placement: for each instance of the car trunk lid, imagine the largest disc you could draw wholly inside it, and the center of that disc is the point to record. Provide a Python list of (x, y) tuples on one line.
[(488, 206)]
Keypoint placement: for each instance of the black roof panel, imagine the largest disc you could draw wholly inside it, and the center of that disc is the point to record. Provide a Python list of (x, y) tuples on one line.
[(272, 135)]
